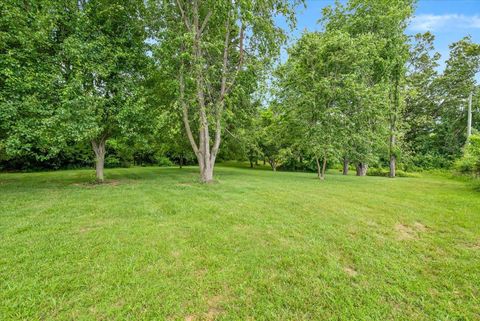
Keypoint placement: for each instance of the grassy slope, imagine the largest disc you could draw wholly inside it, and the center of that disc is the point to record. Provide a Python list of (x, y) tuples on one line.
[(155, 244)]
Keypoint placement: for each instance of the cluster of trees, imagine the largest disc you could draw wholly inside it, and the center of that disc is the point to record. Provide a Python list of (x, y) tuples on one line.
[(361, 91), (95, 70), (149, 81)]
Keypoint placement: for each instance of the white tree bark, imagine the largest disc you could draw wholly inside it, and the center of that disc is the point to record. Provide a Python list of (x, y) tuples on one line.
[(206, 154)]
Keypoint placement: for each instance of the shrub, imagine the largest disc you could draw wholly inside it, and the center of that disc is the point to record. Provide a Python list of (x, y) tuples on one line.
[(384, 172), (427, 162), (470, 161), (163, 161), (112, 161)]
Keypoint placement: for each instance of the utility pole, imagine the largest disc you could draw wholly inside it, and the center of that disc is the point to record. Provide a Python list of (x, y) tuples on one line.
[(469, 124)]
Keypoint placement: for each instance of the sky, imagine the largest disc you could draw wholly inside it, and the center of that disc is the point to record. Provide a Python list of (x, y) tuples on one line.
[(448, 20)]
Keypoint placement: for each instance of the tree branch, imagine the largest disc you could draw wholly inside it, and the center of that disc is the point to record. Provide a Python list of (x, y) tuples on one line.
[(240, 59), (223, 88), (205, 21), (186, 121), (184, 17)]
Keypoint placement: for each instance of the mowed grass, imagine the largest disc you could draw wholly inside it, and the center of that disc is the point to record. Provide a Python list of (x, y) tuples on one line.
[(154, 244)]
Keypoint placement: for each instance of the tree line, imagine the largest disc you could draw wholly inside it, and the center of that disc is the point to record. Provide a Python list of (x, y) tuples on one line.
[(191, 82)]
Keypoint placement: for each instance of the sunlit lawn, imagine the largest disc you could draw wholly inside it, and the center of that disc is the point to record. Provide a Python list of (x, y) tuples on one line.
[(155, 244)]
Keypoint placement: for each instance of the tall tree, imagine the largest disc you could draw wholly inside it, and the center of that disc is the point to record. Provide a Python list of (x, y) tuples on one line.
[(73, 72), (31, 120), (104, 60), (386, 21), (309, 87), (210, 43), (422, 96), (456, 84), (327, 88)]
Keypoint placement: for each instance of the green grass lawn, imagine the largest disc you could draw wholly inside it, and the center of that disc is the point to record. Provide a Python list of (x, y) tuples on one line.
[(154, 244)]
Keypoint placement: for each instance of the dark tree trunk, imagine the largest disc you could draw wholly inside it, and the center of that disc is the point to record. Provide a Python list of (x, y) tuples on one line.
[(251, 164), (273, 163), (393, 159), (393, 126), (362, 169), (264, 162), (98, 146), (345, 166), (181, 161)]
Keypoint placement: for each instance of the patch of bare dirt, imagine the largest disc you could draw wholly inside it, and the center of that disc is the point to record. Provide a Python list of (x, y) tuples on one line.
[(419, 227), (87, 229), (350, 271), (410, 232), (214, 310), (214, 307), (473, 246), (405, 232), (201, 273)]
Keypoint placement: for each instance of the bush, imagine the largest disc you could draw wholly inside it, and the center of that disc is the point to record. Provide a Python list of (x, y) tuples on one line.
[(427, 162), (470, 161), (385, 172), (163, 161), (112, 161)]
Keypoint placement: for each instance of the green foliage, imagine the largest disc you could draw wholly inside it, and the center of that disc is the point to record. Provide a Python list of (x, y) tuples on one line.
[(30, 80), (163, 161), (421, 98), (428, 161), (272, 143), (73, 72), (456, 83), (470, 161), (106, 58), (216, 52), (384, 172), (336, 85)]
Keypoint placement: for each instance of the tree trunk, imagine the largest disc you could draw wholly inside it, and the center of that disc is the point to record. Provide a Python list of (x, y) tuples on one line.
[(393, 126), (207, 173), (321, 169), (273, 164), (324, 167), (251, 164), (264, 162), (393, 159), (345, 166), (181, 161), (210, 110), (393, 164), (206, 159), (361, 169), (98, 146)]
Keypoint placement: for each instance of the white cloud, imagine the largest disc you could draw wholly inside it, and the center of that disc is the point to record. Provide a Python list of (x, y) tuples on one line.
[(431, 22)]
